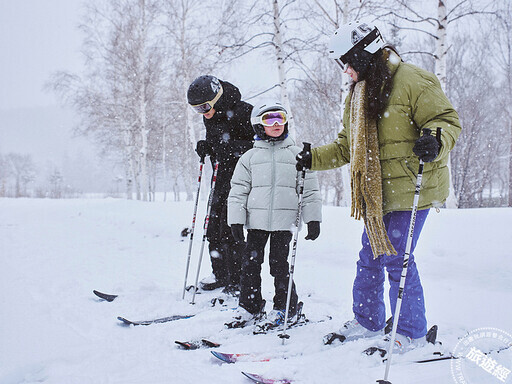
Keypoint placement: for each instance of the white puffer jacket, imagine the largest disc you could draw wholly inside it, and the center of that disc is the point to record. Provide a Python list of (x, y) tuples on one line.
[(264, 188)]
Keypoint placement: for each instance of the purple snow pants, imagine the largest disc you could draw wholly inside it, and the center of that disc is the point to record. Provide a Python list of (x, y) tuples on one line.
[(368, 290)]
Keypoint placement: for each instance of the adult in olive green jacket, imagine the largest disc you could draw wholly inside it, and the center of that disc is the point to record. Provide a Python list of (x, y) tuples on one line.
[(416, 101), (389, 106)]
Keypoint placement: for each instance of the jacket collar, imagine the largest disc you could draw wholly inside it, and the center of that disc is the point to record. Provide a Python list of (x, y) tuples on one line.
[(287, 142)]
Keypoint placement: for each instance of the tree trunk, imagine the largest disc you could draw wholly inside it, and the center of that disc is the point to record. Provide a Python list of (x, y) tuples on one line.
[(164, 160), (142, 104), (278, 44), (510, 170), (440, 70)]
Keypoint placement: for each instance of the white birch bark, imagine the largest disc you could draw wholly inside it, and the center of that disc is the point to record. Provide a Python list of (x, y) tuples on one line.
[(440, 70), (278, 44), (345, 171), (143, 131)]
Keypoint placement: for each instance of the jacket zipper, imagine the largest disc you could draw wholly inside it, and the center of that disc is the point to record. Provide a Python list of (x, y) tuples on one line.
[(272, 165)]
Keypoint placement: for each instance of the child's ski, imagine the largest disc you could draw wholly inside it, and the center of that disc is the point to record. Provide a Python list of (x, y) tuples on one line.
[(263, 380), (231, 358)]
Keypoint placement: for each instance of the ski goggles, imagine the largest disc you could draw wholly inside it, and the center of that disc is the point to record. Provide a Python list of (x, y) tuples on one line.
[(270, 118), (207, 105)]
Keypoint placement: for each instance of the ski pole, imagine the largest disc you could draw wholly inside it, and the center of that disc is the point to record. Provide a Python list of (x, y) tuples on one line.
[(408, 246), (205, 229), (307, 147), (201, 164)]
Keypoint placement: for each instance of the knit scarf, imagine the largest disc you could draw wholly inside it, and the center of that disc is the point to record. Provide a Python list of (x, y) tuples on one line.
[(366, 178)]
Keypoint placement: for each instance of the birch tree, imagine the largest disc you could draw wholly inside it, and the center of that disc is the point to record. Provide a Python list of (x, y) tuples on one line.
[(124, 62), (433, 21), (23, 171), (191, 31), (501, 43), (320, 113), (272, 25)]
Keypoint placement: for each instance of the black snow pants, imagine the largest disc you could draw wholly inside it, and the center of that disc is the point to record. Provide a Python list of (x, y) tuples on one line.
[(252, 259), (225, 254)]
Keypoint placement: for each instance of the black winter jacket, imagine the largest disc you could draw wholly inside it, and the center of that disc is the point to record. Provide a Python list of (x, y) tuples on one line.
[(229, 132)]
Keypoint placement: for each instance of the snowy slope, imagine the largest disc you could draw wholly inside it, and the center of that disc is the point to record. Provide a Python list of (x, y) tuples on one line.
[(53, 253)]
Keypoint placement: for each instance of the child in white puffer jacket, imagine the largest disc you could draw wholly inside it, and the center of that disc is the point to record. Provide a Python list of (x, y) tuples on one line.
[(264, 198)]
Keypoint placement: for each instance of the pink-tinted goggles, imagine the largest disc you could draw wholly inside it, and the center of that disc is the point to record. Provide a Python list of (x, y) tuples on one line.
[(270, 118)]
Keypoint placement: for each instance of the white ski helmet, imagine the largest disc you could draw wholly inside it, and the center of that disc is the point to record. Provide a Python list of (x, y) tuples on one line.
[(258, 115), (355, 39)]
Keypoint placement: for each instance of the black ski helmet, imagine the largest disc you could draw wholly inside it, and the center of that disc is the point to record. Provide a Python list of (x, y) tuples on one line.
[(204, 89), (259, 129)]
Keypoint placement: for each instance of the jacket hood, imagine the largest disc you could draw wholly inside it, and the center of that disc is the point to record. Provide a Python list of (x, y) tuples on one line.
[(392, 59), (230, 96)]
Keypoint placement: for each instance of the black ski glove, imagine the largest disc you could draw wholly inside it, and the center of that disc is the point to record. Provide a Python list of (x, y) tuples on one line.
[(313, 230), (204, 149), (238, 232), (303, 160), (426, 148)]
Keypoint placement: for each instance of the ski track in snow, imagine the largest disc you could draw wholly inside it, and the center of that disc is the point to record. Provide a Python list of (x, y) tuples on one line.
[(53, 253)]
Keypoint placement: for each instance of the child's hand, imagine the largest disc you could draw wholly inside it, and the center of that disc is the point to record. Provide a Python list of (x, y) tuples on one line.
[(238, 232), (313, 230)]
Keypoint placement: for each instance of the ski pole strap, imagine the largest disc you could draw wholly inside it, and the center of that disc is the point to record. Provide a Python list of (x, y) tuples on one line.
[(438, 135)]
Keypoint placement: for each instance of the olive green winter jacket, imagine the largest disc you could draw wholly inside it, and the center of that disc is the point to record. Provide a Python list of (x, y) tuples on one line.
[(416, 101)]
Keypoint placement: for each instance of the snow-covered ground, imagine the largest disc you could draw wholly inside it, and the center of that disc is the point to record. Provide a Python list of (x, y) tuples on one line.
[(53, 253)]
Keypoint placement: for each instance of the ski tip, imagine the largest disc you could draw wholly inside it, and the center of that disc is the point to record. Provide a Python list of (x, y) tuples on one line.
[(125, 321), (223, 356), (210, 344), (187, 345), (262, 380), (105, 296)]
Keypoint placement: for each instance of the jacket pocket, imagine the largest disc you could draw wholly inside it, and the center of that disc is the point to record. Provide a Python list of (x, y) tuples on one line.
[(407, 167)]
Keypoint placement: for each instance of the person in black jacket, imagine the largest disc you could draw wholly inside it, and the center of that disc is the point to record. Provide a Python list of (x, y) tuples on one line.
[(229, 134)]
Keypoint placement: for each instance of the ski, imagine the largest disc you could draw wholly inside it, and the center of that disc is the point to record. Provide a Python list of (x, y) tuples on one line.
[(430, 337), (104, 296), (231, 358), (300, 320), (436, 356), (263, 380), (196, 344), (125, 321)]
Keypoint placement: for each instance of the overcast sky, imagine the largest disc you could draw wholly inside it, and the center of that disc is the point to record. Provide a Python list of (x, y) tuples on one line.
[(37, 37)]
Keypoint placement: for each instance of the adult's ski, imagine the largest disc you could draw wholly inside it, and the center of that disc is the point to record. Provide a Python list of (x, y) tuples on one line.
[(264, 380), (196, 344), (104, 296), (431, 338), (125, 321)]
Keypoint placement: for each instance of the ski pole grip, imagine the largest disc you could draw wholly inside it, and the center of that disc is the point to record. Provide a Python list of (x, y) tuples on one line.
[(426, 131), (307, 146)]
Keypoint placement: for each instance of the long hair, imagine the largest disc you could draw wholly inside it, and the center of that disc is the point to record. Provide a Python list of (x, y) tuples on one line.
[(378, 79)]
